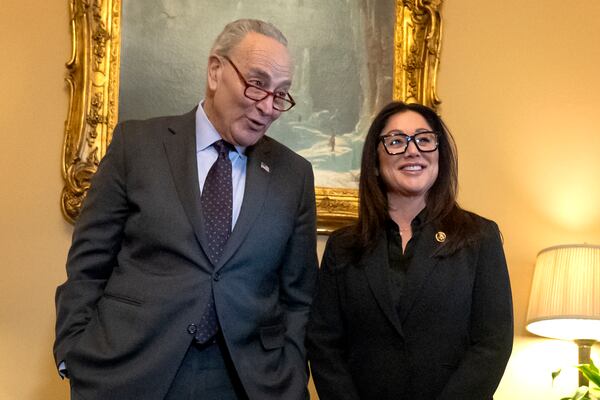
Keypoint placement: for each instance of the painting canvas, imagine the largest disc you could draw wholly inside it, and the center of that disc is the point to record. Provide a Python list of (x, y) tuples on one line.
[(343, 68), (352, 57)]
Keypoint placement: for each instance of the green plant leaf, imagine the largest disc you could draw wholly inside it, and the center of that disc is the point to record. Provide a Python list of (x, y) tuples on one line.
[(581, 394), (554, 375), (590, 372), (593, 367)]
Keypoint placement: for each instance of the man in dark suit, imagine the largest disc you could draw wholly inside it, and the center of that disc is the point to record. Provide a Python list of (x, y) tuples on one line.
[(193, 261)]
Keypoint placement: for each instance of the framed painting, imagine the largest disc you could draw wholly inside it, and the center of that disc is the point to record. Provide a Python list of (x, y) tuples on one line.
[(142, 59)]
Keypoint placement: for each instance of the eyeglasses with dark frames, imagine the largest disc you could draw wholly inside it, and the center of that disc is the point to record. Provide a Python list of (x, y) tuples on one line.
[(396, 142), (280, 103)]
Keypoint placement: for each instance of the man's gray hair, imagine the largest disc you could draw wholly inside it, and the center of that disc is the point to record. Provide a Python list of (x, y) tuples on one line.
[(235, 31)]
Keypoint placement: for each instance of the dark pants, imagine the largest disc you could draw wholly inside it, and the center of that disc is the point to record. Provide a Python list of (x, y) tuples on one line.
[(206, 373)]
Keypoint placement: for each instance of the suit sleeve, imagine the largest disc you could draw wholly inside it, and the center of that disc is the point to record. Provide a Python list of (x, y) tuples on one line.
[(326, 336), (93, 254), (491, 330), (298, 274)]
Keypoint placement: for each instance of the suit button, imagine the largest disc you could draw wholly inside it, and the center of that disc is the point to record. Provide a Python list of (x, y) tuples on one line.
[(192, 329), (217, 276)]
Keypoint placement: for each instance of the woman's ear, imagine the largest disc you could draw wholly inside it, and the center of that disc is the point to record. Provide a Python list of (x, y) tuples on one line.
[(214, 71)]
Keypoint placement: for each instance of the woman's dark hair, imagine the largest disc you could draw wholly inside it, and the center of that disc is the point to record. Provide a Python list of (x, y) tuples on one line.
[(442, 208)]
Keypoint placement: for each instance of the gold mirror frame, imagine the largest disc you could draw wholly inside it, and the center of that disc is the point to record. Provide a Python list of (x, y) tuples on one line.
[(93, 79)]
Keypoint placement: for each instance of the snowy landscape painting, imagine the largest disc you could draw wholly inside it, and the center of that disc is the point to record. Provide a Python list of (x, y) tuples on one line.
[(342, 49)]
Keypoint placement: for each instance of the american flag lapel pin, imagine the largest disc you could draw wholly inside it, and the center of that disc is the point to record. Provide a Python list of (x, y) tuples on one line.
[(265, 166)]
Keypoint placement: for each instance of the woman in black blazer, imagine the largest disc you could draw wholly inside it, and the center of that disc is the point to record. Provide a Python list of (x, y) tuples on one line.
[(414, 300)]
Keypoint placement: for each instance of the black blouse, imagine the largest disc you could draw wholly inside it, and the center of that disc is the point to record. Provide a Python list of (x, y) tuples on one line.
[(399, 261)]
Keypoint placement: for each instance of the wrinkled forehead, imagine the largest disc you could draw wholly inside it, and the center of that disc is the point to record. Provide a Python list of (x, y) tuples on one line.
[(264, 54)]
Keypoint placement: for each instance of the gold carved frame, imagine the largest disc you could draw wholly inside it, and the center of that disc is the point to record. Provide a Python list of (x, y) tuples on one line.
[(93, 79)]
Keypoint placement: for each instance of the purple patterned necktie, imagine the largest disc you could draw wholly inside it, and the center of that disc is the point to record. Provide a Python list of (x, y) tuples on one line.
[(217, 206)]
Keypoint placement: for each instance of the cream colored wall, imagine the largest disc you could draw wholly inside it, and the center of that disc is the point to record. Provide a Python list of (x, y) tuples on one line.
[(520, 88), (35, 44), (510, 70)]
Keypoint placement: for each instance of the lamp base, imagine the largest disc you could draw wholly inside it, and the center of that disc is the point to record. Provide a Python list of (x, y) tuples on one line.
[(585, 348)]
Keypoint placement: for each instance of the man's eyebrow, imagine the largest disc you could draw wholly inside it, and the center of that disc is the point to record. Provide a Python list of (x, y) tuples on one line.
[(254, 72), (259, 73)]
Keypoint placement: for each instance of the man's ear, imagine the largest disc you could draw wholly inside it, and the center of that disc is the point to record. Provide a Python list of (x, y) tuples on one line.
[(214, 71)]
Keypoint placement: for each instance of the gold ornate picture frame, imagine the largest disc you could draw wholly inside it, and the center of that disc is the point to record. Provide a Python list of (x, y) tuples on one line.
[(93, 79)]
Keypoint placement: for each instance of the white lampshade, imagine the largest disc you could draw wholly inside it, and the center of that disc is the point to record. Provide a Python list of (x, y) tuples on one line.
[(565, 294)]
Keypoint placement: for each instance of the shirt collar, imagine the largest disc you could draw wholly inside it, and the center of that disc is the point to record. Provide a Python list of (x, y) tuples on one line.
[(206, 134), (416, 224)]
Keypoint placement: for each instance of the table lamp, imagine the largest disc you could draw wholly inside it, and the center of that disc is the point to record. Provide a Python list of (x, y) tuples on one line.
[(565, 297)]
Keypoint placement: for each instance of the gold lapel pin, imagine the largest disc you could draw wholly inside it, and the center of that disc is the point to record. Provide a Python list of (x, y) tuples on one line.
[(440, 237)]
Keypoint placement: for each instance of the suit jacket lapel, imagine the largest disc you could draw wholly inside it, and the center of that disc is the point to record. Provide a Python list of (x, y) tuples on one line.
[(376, 268), (180, 147), (420, 267), (257, 182)]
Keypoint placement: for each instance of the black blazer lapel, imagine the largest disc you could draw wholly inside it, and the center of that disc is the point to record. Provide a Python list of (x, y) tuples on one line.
[(258, 172), (375, 264), (180, 147), (420, 267)]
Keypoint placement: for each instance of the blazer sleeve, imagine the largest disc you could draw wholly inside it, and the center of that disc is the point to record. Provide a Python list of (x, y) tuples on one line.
[(299, 273), (93, 254), (326, 335), (491, 330)]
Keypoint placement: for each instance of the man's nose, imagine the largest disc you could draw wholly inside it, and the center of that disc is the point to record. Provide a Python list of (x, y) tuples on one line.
[(265, 105)]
